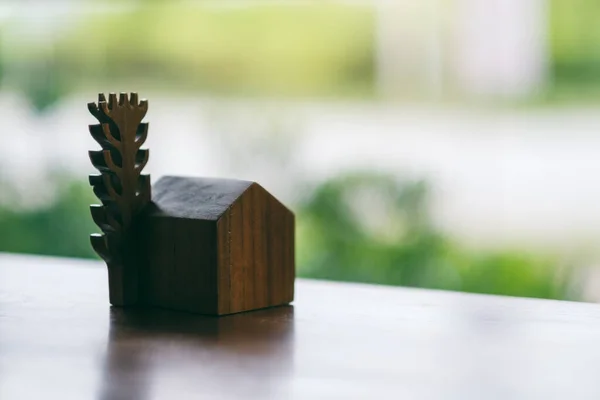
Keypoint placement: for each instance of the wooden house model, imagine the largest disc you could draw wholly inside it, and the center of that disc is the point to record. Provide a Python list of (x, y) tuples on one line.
[(204, 245)]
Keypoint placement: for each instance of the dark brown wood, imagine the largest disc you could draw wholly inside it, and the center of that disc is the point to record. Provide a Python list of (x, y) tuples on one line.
[(58, 340), (256, 253), (210, 246), (215, 246), (121, 187)]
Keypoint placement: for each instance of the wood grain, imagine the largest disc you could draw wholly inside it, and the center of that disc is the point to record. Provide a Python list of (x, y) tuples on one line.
[(257, 255), (58, 340), (179, 264), (121, 187), (215, 246), (205, 245)]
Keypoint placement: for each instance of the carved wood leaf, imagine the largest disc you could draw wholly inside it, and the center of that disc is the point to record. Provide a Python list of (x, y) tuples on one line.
[(120, 186)]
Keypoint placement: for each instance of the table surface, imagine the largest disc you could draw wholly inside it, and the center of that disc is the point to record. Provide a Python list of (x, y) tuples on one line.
[(59, 339)]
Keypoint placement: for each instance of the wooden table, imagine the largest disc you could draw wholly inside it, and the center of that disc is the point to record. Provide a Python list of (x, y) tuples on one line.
[(59, 339)]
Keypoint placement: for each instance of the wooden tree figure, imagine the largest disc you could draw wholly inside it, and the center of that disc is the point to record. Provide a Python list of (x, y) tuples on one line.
[(120, 187), (205, 245)]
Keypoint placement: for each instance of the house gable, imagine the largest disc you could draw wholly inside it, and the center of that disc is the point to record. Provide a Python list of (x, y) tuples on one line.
[(255, 253)]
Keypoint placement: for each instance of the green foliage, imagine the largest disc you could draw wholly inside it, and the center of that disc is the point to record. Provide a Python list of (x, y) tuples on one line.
[(513, 273), (361, 227), (61, 229), (291, 49), (299, 50), (42, 83), (371, 228), (575, 44)]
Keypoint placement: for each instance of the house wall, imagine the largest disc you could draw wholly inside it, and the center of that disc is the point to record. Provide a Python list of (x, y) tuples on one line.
[(179, 267), (256, 253)]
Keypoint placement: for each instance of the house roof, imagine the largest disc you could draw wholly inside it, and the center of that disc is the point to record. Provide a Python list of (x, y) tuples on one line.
[(195, 198)]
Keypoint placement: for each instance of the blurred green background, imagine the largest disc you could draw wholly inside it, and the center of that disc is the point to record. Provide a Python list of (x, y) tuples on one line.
[(356, 222)]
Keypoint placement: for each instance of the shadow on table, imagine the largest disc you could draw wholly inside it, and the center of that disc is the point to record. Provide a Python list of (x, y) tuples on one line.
[(153, 352)]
